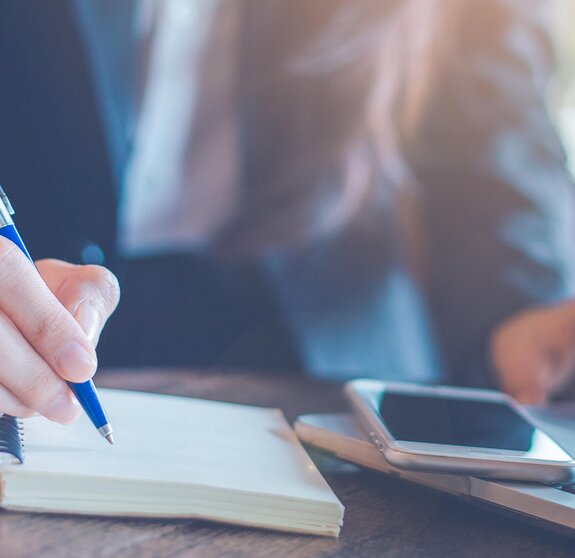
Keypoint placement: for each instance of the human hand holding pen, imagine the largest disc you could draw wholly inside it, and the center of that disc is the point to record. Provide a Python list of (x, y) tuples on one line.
[(49, 327)]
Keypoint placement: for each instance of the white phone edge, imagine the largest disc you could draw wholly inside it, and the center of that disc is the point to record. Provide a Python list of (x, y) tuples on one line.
[(341, 436), (488, 466)]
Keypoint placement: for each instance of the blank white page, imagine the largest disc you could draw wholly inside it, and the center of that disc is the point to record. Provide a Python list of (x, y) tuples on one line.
[(163, 438)]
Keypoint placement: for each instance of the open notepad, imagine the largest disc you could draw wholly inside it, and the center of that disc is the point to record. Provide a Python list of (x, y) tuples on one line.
[(174, 457)]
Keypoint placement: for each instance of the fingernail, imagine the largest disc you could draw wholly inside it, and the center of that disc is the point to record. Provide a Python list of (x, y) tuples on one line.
[(64, 409), (90, 321), (76, 363)]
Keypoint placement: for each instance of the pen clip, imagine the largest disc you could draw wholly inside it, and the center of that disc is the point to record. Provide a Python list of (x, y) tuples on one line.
[(6, 210), (6, 201)]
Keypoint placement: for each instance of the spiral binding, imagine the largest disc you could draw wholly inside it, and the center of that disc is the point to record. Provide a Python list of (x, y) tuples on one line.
[(12, 438)]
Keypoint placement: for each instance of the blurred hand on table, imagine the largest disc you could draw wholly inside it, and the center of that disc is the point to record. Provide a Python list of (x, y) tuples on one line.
[(533, 353)]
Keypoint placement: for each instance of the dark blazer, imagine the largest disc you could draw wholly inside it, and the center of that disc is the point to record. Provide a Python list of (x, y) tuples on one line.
[(495, 198), (54, 161)]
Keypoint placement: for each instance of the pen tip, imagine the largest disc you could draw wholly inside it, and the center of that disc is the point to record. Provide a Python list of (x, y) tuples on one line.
[(106, 432)]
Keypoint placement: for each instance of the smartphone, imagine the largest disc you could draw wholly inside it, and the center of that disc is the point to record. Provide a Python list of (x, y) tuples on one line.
[(457, 430)]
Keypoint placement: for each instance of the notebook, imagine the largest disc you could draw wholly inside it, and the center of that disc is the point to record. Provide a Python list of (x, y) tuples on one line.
[(173, 457)]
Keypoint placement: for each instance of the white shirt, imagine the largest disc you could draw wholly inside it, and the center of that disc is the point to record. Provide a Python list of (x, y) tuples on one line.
[(181, 179)]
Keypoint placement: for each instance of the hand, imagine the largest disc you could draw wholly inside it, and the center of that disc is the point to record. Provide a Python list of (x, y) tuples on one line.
[(533, 353), (49, 328)]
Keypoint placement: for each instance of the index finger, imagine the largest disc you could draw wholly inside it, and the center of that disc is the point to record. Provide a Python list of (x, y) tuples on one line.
[(47, 326)]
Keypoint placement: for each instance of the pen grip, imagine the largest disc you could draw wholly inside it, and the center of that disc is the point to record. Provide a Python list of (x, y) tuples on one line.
[(88, 398)]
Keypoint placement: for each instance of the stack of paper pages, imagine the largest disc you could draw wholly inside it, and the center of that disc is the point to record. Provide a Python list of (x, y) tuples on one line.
[(174, 457)]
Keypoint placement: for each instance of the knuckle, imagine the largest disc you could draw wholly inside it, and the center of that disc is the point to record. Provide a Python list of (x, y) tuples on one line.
[(22, 411), (46, 329), (38, 389), (12, 406), (15, 410), (11, 259)]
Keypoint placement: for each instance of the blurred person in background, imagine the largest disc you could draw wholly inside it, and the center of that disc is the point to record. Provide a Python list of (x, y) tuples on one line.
[(352, 189)]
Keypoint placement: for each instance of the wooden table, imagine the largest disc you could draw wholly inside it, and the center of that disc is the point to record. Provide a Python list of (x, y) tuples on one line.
[(384, 517)]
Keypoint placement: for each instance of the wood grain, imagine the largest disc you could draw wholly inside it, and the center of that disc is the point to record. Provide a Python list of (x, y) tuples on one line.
[(384, 517)]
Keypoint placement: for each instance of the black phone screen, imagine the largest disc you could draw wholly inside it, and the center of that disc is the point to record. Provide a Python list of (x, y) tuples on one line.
[(454, 421)]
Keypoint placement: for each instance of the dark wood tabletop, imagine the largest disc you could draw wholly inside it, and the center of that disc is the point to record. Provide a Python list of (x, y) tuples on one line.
[(383, 516)]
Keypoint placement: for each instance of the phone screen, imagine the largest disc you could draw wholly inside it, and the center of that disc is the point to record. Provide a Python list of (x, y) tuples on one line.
[(462, 422)]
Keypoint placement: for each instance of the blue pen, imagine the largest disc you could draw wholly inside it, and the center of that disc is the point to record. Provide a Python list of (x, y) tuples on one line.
[(85, 392)]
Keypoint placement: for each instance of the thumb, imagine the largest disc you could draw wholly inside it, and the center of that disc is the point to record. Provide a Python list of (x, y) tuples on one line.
[(90, 293)]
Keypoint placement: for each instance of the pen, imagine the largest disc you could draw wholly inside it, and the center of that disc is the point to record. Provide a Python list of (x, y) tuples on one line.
[(85, 392)]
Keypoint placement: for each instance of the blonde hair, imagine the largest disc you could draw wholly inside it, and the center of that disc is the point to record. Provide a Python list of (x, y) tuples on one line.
[(327, 89)]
